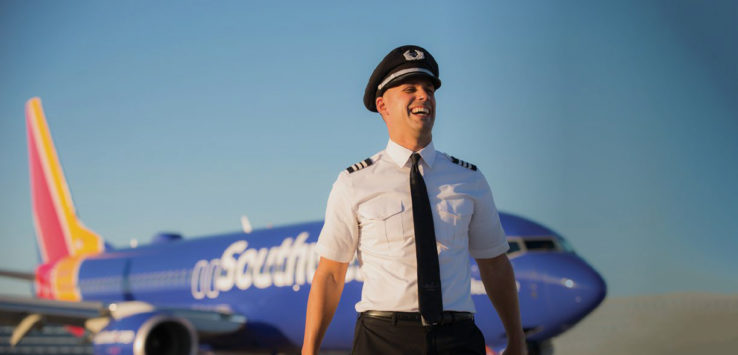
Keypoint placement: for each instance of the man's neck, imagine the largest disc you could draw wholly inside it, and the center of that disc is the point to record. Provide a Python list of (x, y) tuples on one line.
[(413, 143)]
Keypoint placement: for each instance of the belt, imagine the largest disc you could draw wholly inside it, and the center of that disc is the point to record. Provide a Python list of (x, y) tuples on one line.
[(447, 317)]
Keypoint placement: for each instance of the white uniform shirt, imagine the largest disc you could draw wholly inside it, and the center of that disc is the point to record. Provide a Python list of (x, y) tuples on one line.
[(369, 213)]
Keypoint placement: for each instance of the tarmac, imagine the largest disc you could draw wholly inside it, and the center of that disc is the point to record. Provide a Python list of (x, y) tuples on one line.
[(674, 324)]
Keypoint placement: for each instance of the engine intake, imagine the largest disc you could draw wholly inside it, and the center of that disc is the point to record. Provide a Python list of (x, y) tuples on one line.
[(150, 333)]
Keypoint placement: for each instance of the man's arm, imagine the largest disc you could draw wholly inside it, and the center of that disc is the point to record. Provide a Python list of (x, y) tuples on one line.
[(325, 292), (499, 282)]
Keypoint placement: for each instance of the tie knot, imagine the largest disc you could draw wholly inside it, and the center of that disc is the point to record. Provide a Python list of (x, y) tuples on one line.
[(415, 158)]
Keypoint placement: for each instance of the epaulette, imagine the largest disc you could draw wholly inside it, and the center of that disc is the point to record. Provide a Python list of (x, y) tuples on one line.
[(458, 161), (360, 165)]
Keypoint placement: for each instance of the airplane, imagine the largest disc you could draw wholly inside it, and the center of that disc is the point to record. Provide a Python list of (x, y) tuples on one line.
[(244, 291)]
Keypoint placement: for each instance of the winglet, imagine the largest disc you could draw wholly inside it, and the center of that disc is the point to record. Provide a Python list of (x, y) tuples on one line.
[(58, 231)]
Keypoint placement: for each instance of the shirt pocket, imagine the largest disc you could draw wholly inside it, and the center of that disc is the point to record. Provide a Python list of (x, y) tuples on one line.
[(380, 222), (454, 217)]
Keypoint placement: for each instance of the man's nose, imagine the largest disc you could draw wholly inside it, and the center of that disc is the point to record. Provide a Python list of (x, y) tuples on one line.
[(422, 94)]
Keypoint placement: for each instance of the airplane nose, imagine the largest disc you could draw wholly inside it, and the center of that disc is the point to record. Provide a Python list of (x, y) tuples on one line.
[(568, 287), (571, 278), (570, 281)]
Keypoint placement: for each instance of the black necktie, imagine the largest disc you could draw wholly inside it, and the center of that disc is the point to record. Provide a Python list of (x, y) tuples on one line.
[(429, 276)]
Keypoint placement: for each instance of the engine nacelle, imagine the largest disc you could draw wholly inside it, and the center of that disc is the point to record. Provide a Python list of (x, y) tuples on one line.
[(149, 333)]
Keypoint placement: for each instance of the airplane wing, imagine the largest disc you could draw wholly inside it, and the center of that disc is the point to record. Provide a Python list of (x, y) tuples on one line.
[(25, 313), (28, 276)]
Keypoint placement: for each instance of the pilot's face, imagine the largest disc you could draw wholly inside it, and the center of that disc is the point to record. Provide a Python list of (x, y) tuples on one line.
[(409, 108)]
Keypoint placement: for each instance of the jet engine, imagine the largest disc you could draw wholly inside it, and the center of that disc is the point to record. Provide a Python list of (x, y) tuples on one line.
[(149, 333)]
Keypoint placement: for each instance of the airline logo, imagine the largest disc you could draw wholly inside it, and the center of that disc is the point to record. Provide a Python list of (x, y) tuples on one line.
[(291, 264)]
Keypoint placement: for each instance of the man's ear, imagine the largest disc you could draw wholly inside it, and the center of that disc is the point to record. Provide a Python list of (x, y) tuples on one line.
[(379, 102)]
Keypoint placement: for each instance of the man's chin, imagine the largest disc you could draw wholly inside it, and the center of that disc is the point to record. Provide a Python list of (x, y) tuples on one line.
[(426, 124)]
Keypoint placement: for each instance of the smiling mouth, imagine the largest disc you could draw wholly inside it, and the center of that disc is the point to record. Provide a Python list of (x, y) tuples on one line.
[(420, 111)]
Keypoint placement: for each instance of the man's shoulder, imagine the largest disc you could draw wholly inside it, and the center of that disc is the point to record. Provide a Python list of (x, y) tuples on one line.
[(362, 164), (454, 160)]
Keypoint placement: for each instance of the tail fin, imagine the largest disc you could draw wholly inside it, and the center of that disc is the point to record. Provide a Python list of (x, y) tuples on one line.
[(58, 231)]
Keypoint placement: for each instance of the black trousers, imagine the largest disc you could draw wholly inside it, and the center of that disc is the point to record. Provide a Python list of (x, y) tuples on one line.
[(374, 336)]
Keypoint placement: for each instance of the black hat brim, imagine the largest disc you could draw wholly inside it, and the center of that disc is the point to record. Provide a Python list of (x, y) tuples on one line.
[(401, 79)]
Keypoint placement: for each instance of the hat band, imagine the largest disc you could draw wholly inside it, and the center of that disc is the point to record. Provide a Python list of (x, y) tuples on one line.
[(398, 73)]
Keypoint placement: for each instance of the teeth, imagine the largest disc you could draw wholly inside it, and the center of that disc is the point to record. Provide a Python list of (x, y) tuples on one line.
[(422, 110)]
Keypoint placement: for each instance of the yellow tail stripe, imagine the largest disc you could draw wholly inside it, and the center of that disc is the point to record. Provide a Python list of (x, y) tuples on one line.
[(79, 239)]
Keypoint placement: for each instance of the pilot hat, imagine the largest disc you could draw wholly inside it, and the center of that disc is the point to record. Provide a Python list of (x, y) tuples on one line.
[(399, 65)]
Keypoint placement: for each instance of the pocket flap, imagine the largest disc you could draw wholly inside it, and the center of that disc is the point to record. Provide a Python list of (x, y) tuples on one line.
[(380, 208)]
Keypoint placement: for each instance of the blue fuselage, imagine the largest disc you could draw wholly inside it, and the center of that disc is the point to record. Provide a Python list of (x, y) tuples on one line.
[(265, 276)]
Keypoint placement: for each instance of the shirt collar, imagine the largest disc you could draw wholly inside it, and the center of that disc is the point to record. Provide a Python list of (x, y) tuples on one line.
[(401, 155)]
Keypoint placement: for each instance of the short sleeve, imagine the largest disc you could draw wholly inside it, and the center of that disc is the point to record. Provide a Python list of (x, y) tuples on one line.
[(339, 237), (486, 236)]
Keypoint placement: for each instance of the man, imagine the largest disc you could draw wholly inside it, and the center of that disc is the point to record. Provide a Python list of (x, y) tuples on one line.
[(412, 216)]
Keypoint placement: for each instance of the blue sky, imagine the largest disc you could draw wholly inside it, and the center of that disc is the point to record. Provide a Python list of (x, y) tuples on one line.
[(613, 122)]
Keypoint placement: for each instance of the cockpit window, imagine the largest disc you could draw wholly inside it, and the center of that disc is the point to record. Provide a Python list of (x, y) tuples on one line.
[(514, 246), (522, 245), (540, 245)]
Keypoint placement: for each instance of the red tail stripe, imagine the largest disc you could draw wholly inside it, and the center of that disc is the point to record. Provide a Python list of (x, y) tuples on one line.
[(50, 233)]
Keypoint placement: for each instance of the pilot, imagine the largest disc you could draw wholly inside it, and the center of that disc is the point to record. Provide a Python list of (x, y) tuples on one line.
[(413, 216)]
